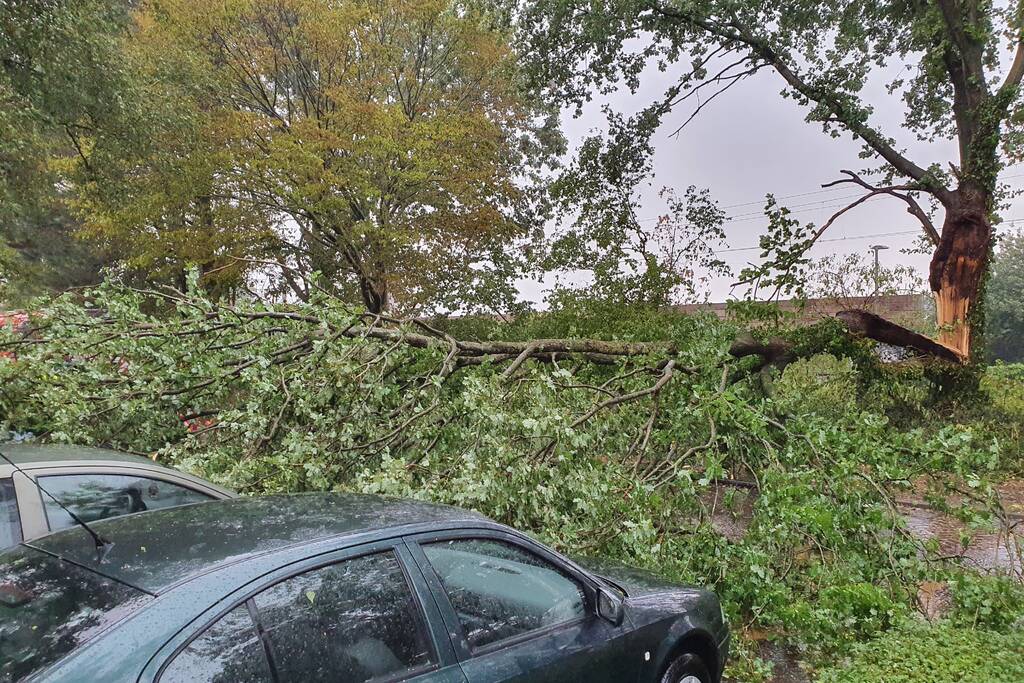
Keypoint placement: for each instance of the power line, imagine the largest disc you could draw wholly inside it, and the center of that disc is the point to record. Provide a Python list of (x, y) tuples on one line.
[(832, 239), (856, 237), (790, 196), (796, 208)]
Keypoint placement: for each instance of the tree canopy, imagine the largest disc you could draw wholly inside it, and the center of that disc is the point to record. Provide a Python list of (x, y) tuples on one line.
[(958, 87), (61, 77), (387, 146), (1005, 316)]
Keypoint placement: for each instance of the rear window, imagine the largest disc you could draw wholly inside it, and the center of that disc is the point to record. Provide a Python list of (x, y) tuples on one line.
[(49, 608), (10, 521)]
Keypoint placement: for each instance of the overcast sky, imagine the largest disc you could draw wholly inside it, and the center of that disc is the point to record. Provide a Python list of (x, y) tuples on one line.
[(750, 142)]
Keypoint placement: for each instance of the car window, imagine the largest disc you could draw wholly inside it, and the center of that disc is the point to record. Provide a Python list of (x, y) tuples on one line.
[(499, 590), (49, 608), (10, 521), (229, 651), (349, 622), (98, 496)]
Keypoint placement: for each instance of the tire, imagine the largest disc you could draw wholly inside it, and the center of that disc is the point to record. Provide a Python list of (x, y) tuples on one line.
[(687, 669)]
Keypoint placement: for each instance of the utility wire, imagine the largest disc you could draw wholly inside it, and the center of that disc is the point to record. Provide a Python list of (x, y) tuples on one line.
[(1010, 221), (824, 191), (796, 208), (832, 239)]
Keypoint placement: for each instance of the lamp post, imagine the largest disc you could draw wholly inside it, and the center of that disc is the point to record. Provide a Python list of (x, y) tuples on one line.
[(877, 248)]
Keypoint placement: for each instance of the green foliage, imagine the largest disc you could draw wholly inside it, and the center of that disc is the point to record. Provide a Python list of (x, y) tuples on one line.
[(822, 384), (1005, 305), (406, 174), (988, 602), (945, 653), (1004, 387), (59, 74), (290, 399), (45, 256), (60, 77)]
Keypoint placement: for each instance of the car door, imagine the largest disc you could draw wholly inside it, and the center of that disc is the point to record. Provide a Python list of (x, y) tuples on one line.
[(357, 617), (516, 612)]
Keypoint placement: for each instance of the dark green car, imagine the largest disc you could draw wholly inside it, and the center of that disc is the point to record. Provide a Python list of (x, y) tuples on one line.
[(339, 588)]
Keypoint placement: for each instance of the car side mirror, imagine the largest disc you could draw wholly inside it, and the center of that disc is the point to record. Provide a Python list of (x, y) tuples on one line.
[(609, 606)]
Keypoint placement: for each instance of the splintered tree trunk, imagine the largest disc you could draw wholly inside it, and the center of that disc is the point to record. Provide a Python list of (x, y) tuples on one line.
[(957, 269)]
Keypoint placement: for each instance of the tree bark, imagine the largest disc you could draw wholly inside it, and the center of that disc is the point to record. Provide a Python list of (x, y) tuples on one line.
[(374, 290), (958, 267)]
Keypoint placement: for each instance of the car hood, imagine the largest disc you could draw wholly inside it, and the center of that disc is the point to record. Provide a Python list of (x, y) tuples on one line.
[(636, 582)]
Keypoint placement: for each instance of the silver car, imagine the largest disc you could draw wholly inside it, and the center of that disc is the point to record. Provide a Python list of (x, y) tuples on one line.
[(94, 483)]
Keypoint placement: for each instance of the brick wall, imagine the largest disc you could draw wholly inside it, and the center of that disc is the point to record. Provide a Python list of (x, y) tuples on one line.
[(911, 310)]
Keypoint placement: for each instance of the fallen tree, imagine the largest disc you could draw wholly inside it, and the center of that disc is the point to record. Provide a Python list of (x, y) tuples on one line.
[(628, 459)]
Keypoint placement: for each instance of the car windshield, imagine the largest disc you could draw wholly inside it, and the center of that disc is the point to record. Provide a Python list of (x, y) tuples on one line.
[(49, 607)]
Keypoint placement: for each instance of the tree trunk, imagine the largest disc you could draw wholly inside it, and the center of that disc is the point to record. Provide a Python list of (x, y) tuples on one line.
[(958, 268), (374, 290)]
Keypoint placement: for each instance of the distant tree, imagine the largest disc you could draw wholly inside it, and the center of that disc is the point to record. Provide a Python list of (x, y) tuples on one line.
[(943, 59), (45, 255), (1005, 301), (61, 76), (854, 276), (654, 262), (387, 146)]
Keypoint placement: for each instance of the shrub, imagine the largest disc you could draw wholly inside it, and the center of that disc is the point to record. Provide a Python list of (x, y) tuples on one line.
[(944, 653), (822, 384), (990, 602)]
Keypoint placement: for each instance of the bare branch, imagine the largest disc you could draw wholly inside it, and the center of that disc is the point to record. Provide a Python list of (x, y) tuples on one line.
[(730, 81), (898, 191)]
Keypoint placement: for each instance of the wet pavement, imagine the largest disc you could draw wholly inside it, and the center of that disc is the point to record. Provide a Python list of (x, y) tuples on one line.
[(999, 548)]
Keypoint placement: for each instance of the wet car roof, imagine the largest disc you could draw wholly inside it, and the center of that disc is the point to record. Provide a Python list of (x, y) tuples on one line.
[(155, 550), (24, 454)]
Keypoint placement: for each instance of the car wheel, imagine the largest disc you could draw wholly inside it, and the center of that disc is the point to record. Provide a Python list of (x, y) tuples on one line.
[(687, 669)]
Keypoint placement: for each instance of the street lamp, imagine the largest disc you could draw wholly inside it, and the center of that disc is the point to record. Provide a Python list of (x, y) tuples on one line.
[(877, 248)]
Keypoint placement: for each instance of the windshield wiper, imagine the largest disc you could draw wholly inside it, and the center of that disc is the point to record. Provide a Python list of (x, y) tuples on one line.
[(103, 546)]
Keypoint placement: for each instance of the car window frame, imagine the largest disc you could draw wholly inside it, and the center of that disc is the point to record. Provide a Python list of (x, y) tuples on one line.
[(455, 630), (34, 520), (17, 507), (144, 474), (441, 656), (257, 631)]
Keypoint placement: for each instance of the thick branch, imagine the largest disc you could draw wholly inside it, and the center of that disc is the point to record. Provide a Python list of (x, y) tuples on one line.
[(913, 207), (878, 328), (775, 352), (471, 352), (740, 35)]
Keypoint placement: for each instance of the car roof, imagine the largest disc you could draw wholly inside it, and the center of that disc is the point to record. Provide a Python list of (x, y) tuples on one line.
[(28, 454), (155, 550)]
